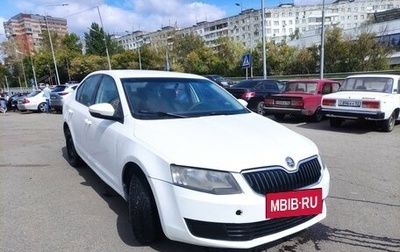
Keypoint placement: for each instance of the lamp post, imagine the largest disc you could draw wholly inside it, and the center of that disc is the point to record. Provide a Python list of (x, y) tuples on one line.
[(105, 44), (105, 41), (33, 70), (138, 49), (23, 68), (263, 41), (240, 5), (51, 43), (322, 52)]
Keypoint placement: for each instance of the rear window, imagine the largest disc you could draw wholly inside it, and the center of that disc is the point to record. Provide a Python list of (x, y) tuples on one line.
[(59, 88)]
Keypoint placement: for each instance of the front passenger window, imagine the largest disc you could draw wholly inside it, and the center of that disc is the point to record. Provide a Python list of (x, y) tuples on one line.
[(86, 91)]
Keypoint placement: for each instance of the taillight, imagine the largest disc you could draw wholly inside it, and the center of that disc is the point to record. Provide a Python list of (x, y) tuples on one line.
[(370, 104), (24, 101), (329, 102), (297, 103), (268, 101), (248, 95), (63, 93)]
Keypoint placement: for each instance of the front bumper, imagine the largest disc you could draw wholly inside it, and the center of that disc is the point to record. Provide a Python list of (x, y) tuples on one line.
[(353, 114), (209, 220)]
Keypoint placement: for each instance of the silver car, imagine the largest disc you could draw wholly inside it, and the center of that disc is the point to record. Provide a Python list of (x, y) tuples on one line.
[(34, 101), (59, 94)]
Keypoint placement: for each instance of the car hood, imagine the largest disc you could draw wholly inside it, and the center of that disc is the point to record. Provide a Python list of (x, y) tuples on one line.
[(356, 95), (231, 142)]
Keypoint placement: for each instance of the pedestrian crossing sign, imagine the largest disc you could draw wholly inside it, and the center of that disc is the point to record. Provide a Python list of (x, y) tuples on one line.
[(246, 60)]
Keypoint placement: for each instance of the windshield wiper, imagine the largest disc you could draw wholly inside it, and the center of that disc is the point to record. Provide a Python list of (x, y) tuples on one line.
[(161, 113)]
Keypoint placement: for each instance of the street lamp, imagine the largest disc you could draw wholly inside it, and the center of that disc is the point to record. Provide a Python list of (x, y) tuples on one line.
[(51, 43), (240, 5), (322, 52), (263, 41), (105, 41), (138, 49), (23, 68)]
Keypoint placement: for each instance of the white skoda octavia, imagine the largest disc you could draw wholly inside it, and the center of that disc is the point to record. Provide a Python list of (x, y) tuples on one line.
[(193, 163)]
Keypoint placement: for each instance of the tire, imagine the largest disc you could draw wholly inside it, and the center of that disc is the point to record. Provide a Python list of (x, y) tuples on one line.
[(143, 211), (335, 122), (279, 117), (73, 157), (42, 107), (317, 116), (388, 125), (259, 108)]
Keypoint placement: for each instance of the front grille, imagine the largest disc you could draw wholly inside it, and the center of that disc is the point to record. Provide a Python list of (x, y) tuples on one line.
[(276, 179), (245, 231)]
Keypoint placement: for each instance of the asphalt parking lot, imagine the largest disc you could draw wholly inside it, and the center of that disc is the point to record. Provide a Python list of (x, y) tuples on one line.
[(46, 205)]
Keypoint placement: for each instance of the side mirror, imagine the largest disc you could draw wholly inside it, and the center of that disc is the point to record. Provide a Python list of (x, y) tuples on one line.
[(243, 102), (104, 111)]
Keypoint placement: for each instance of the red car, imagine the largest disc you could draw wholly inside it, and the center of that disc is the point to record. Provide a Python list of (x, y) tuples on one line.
[(301, 97)]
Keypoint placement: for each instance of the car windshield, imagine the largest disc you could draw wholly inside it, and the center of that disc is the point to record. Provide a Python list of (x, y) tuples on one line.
[(156, 98), (371, 84), (305, 87)]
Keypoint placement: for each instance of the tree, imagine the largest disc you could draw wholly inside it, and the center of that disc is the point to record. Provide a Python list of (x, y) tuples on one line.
[(71, 42)]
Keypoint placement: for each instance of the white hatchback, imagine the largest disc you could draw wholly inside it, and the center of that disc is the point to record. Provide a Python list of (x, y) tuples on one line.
[(192, 161)]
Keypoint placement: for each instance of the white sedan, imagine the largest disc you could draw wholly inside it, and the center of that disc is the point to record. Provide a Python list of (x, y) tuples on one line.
[(373, 97), (34, 101), (192, 161)]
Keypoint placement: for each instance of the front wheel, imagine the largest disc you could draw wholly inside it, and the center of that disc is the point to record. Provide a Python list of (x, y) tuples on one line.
[(143, 212), (73, 157), (388, 125)]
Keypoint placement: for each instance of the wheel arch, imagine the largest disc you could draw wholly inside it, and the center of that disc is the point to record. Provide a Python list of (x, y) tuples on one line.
[(130, 169)]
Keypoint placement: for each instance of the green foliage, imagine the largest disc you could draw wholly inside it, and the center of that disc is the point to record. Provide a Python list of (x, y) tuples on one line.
[(72, 43), (190, 54)]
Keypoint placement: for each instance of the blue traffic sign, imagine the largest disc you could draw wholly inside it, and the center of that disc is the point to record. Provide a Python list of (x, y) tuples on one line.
[(246, 60)]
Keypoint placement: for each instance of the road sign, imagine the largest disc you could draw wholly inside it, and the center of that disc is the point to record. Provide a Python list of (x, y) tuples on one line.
[(246, 60)]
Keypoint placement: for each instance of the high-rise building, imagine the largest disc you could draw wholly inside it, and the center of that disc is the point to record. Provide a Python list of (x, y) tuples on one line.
[(27, 30), (285, 22)]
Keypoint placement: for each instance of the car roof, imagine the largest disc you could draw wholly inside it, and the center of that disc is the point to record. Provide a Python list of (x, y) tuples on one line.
[(147, 74), (395, 76)]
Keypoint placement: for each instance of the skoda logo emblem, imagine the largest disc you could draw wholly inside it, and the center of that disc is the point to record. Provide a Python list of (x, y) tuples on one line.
[(290, 162)]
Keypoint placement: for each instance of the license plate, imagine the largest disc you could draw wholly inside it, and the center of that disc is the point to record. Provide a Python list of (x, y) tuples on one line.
[(282, 102), (294, 203), (346, 103)]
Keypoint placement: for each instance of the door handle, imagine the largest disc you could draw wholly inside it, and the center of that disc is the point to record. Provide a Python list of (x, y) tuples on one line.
[(88, 122)]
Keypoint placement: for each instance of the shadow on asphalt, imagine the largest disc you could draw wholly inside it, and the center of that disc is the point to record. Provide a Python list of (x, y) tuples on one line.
[(120, 207)]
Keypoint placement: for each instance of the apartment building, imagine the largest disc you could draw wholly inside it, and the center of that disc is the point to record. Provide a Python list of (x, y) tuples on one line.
[(285, 22), (27, 30)]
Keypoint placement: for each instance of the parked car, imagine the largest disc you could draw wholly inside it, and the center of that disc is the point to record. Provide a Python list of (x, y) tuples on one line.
[(163, 141), (59, 94), (301, 97), (254, 92), (34, 101), (13, 100), (222, 81), (373, 97)]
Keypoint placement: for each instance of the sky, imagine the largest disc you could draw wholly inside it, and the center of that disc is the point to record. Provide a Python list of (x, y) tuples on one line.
[(121, 16)]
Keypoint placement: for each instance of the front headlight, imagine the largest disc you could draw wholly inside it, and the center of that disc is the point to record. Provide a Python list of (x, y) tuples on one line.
[(208, 181)]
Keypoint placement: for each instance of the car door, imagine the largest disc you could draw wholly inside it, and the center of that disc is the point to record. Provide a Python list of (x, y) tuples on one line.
[(78, 113), (103, 135)]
